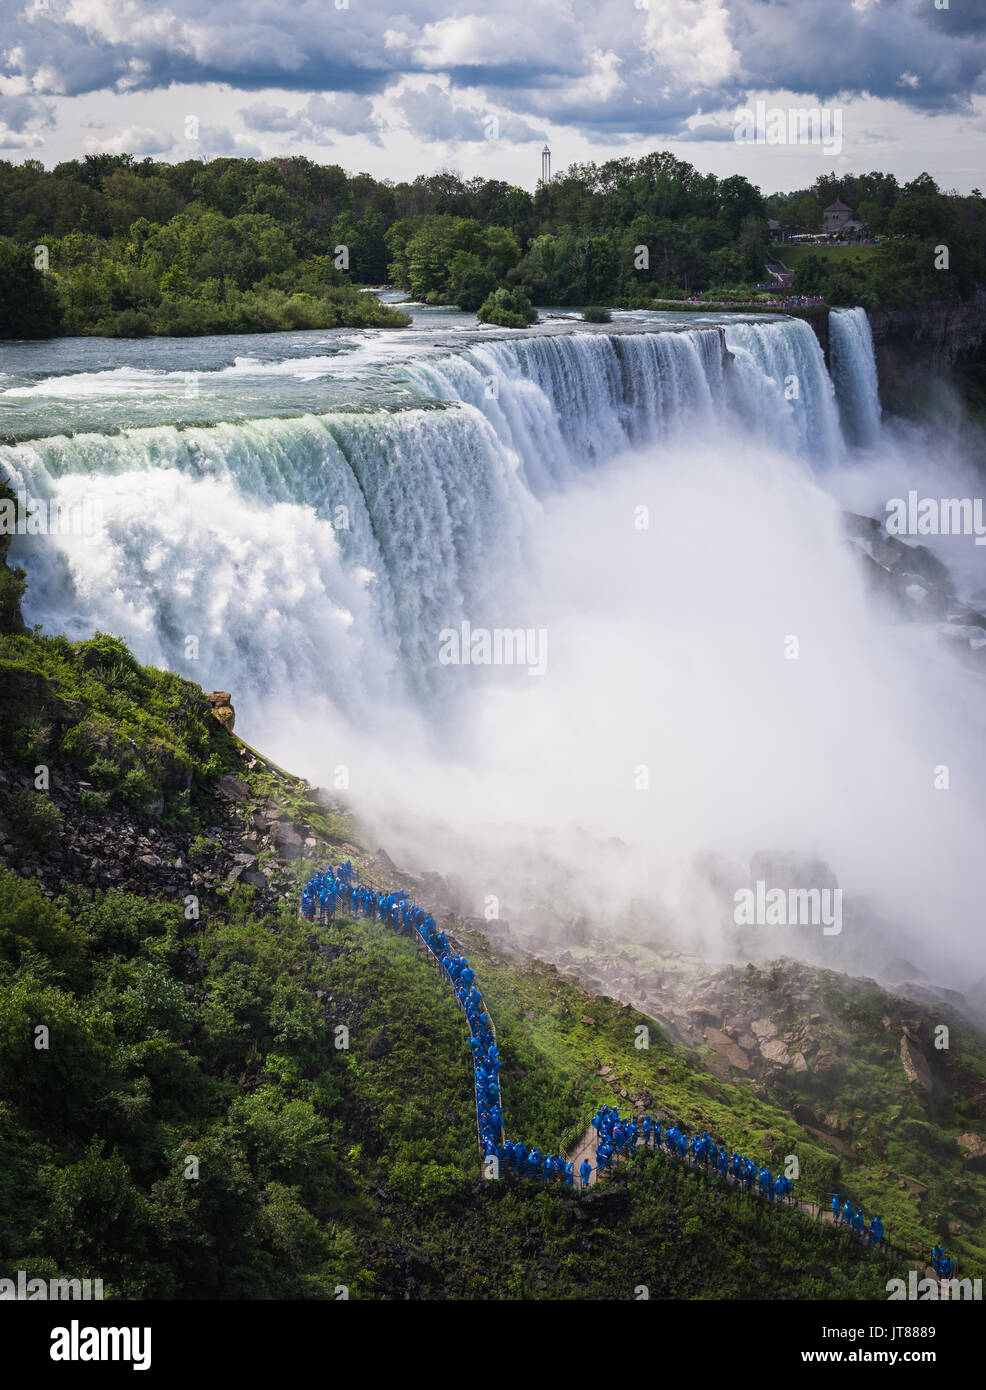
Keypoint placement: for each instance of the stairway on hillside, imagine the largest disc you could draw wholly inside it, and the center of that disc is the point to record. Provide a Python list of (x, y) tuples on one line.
[(778, 271)]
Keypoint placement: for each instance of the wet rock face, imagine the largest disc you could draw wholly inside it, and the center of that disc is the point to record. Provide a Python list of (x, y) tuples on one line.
[(785, 870), (232, 788), (914, 345), (910, 578)]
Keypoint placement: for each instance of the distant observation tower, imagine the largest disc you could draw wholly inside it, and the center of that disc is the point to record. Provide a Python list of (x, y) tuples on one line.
[(545, 165)]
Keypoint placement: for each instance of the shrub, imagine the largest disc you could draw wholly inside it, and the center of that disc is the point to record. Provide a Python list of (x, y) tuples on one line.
[(138, 788), (128, 323), (94, 802), (105, 772), (103, 652), (35, 820), (178, 813), (199, 849), (507, 309), (12, 585), (32, 744), (596, 313)]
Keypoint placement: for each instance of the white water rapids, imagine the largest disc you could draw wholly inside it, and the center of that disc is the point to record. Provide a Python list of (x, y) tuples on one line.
[(659, 509)]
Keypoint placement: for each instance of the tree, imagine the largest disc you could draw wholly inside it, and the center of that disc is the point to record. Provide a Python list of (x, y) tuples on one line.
[(738, 200), (129, 197), (98, 1221), (873, 216), (508, 309), (808, 214), (469, 281), (727, 266), (29, 305)]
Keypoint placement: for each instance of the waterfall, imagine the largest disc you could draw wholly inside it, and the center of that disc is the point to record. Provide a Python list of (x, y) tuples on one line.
[(565, 402), (324, 552), (321, 552), (854, 372), (784, 393), (659, 504)]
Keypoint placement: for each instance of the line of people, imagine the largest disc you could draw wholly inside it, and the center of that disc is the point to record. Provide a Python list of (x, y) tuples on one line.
[(320, 897), (944, 1265), (845, 1214), (616, 1136), (531, 1163), (321, 894)]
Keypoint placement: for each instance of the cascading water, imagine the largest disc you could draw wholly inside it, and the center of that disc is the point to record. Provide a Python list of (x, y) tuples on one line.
[(325, 552), (786, 395), (658, 503), (854, 373)]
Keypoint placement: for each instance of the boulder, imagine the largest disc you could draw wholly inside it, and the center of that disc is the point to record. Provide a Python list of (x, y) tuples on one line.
[(724, 1047), (232, 788), (776, 1051), (289, 843), (974, 1157), (222, 708)]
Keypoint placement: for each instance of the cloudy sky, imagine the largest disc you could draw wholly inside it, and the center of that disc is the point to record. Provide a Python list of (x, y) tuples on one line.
[(400, 87)]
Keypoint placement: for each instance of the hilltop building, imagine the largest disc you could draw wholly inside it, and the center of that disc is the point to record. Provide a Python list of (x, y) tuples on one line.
[(838, 217)]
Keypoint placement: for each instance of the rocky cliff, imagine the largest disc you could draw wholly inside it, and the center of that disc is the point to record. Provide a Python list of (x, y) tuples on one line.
[(918, 346)]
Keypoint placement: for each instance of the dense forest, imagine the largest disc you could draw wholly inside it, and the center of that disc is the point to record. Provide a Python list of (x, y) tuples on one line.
[(112, 245)]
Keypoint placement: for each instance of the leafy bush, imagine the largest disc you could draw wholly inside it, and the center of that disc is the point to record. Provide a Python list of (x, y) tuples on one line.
[(12, 586), (138, 788), (129, 323), (200, 849), (35, 820), (597, 313), (507, 309), (104, 652)]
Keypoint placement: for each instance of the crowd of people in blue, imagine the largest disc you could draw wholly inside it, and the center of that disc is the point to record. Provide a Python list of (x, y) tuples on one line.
[(845, 1214), (616, 1136), (319, 898)]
